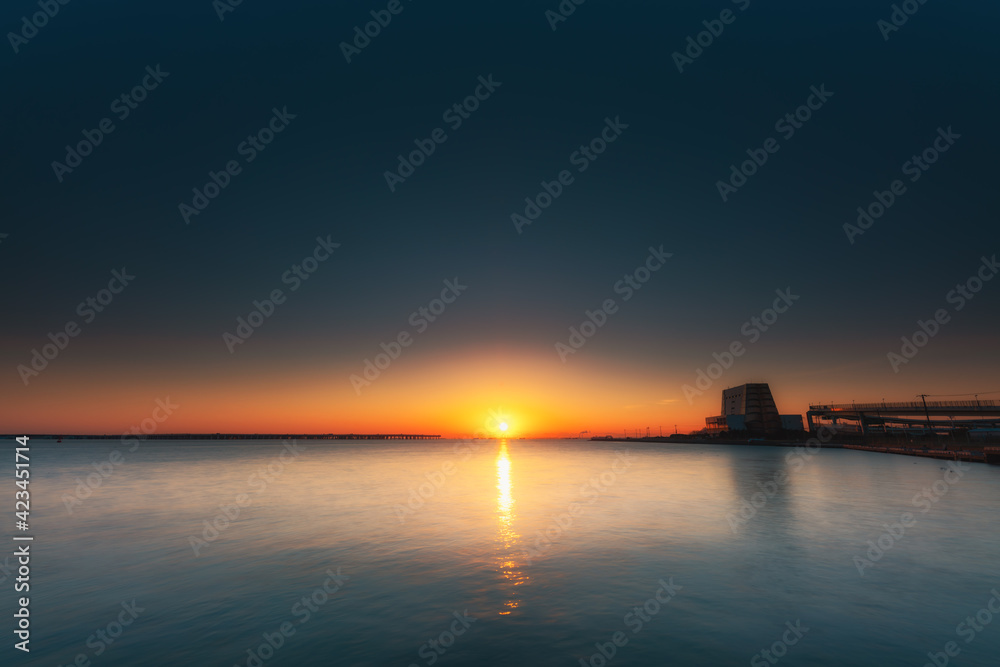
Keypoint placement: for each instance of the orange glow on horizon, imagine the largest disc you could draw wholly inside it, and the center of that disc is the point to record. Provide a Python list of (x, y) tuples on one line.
[(453, 393)]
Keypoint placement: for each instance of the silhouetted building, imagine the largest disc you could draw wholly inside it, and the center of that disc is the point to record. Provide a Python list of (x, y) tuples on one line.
[(751, 407)]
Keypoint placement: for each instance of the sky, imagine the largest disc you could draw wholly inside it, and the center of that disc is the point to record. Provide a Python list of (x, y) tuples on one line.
[(637, 140)]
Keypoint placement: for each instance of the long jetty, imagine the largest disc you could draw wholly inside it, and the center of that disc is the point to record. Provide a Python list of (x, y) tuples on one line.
[(236, 436)]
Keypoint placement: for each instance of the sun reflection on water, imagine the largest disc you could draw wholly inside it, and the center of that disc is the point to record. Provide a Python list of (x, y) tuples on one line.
[(506, 536)]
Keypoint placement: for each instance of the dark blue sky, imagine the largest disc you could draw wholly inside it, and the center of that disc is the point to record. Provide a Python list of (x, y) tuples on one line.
[(324, 175)]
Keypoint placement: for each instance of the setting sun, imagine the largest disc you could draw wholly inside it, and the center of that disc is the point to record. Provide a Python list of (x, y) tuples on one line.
[(503, 426)]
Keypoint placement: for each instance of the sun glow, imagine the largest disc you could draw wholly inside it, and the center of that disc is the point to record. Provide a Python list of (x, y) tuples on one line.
[(498, 423)]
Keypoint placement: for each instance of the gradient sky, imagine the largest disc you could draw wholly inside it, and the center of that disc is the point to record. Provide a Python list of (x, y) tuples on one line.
[(494, 348)]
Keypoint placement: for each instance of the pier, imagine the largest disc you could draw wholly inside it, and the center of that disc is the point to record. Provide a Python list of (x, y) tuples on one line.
[(240, 436)]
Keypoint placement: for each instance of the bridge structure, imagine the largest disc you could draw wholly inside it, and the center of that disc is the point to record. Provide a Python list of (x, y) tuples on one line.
[(917, 416)]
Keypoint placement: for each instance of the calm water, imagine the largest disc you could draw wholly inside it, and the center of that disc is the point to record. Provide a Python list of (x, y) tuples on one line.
[(550, 546)]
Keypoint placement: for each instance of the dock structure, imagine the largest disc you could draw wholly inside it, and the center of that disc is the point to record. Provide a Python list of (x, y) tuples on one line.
[(922, 416), (307, 436), (247, 436)]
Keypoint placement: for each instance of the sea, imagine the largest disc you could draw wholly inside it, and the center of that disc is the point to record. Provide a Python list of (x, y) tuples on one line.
[(500, 552)]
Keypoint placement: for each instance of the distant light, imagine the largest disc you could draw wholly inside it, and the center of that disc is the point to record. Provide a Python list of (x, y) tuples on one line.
[(503, 426)]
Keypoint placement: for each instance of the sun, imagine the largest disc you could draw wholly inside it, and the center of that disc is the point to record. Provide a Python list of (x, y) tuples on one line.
[(503, 426)]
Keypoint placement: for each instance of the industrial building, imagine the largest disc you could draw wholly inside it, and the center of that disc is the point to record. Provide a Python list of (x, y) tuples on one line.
[(751, 408)]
